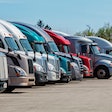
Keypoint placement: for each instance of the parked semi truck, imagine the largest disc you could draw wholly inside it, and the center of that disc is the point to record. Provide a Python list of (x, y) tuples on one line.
[(3, 72), (39, 62), (64, 46), (104, 45), (102, 63), (51, 48), (52, 62), (20, 67), (39, 40)]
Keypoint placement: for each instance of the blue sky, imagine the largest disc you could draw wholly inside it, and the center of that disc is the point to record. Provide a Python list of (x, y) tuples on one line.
[(69, 16)]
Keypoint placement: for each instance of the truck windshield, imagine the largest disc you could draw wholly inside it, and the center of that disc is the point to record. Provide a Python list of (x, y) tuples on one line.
[(11, 43), (39, 48), (53, 47), (94, 48), (66, 49), (25, 44)]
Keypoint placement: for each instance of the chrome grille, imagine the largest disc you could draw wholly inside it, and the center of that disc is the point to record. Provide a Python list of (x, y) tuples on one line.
[(57, 65), (3, 70), (81, 65), (30, 65), (69, 65), (45, 65)]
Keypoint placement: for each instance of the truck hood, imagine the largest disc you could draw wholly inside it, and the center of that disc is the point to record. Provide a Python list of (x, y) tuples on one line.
[(67, 55), (104, 56)]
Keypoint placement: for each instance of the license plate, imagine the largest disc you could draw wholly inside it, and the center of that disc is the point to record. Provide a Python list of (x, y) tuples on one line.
[(5, 85)]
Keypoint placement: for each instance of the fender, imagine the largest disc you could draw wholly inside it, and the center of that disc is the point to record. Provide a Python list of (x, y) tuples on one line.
[(104, 62)]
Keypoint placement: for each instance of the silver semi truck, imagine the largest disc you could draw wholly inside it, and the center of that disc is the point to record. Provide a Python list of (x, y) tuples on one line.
[(20, 67), (102, 63), (104, 45)]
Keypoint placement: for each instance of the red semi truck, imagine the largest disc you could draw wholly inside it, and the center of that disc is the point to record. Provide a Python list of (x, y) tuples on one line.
[(64, 46)]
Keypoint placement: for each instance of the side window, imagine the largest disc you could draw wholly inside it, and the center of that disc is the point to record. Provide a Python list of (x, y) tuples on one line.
[(59, 47), (90, 52), (1, 44)]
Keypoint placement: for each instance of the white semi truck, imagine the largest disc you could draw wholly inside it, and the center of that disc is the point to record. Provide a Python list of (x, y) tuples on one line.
[(3, 72), (20, 67)]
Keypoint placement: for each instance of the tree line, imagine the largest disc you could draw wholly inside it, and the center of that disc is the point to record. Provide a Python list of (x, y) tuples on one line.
[(103, 32)]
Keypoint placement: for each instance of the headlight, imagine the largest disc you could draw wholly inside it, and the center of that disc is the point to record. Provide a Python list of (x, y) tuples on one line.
[(63, 71), (74, 65), (110, 64), (51, 67), (38, 68), (19, 72)]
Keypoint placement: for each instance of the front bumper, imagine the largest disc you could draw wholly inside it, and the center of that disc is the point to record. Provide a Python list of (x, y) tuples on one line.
[(41, 77), (21, 81), (53, 76), (77, 75)]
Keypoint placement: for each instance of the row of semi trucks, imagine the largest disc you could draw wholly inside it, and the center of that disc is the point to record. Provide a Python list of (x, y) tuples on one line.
[(31, 56)]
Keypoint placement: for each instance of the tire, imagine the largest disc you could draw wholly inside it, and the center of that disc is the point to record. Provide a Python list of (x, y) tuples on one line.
[(68, 79), (2, 91), (102, 72), (9, 89), (40, 84)]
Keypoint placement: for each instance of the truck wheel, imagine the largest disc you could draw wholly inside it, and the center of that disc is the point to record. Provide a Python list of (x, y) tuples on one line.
[(9, 89), (68, 79), (102, 73), (2, 90), (40, 84)]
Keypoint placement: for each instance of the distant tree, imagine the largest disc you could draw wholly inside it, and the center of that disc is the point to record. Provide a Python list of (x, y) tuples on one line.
[(88, 32), (42, 25), (48, 27), (105, 32)]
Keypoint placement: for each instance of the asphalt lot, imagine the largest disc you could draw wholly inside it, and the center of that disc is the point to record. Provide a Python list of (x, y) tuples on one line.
[(89, 95)]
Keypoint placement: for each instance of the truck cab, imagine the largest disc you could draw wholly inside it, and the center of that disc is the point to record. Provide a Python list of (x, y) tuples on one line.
[(3, 72), (37, 43), (51, 49), (104, 45), (64, 46), (102, 63), (20, 67)]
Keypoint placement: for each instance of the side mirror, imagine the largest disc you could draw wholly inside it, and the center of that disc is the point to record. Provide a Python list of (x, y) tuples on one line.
[(107, 51), (9, 49), (47, 56), (34, 59), (78, 54), (18, 56), (71, 56), (41, 53)]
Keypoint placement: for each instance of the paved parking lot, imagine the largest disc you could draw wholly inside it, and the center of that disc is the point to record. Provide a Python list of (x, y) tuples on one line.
[(89, 95)]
